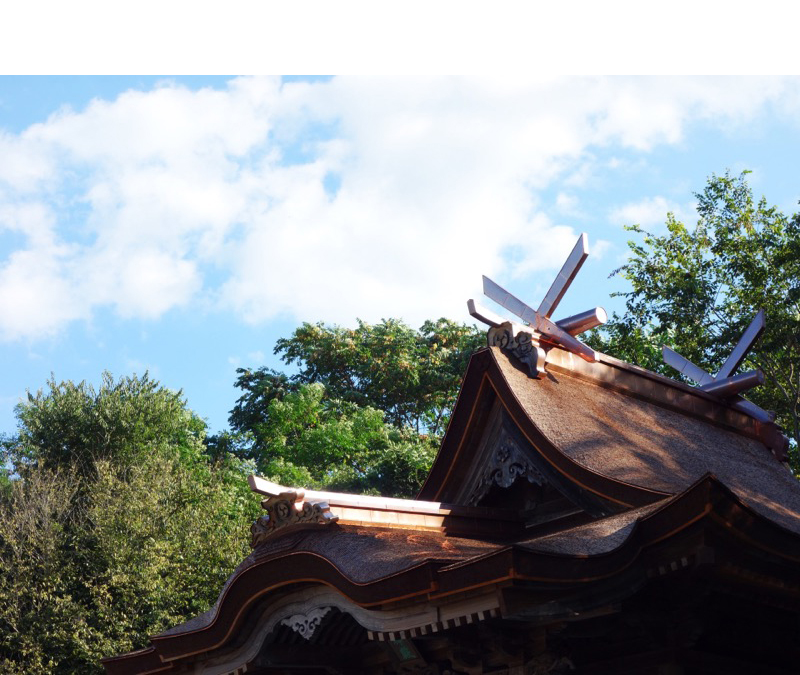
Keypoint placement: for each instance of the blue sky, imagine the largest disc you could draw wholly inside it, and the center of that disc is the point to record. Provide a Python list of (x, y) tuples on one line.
[(181, 225)]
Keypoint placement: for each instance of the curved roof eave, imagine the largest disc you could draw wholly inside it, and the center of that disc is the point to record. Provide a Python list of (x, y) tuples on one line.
[(541, 560)]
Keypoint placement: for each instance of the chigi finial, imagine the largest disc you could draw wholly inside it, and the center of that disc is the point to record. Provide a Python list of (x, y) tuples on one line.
[(725, 384), (524, 340)]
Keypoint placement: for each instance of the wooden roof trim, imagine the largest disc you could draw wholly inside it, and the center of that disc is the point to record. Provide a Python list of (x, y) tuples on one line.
[(706, 503), (460, 422), (373, 511), (141, 662), (249, 586)]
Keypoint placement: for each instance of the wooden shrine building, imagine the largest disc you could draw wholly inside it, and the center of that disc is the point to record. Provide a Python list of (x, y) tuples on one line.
[(582, 516)]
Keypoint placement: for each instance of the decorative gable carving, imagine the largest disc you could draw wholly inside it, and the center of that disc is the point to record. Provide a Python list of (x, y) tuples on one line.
[(307, 624), (506, 471), (506, 463)]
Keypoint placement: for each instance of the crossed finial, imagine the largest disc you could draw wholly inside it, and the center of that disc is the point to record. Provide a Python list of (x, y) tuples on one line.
[(561, 332), (725, 384)]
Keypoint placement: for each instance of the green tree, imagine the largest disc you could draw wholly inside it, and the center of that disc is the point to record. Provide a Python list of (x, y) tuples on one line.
[(248, 417), (164, 539), (41, 624), (697, 288), (310, 439), (364, 413), (72, 426), (115, 525), (413, 376)]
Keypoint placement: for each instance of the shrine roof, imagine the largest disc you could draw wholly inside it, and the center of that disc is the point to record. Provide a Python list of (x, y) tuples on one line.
[(615, 427), (349, 556), (373, 566), (672, 462), (638, 441)]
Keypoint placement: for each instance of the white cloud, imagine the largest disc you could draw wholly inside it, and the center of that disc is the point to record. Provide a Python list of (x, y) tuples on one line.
[(567, 204), (601, 248), (140, 367), (36, 293), (650, 212), (163, 198)]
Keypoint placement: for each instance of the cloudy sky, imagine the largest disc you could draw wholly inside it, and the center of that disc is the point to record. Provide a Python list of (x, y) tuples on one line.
[(182, 225)]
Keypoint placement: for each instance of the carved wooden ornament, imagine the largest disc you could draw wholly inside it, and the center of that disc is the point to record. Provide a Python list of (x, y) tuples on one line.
[(286, 509), (306, 624), (521, 343), (523, 340), (508, 462)]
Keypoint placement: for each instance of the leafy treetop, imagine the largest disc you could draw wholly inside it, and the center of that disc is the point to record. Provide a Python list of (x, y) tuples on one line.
[(413, 376), (365, 411), (697, 288)]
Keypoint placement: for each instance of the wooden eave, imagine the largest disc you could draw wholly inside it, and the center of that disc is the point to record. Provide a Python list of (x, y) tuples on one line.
[(675, 536), (434, 550), (480, 522)]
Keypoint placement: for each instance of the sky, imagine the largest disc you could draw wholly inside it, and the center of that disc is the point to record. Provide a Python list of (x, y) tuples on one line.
[(181, 225)]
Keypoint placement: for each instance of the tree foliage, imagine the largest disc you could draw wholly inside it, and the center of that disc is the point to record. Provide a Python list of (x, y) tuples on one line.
[(249, 416), (312, 440), (364, 413), (114, 526), (697, 288), (413, 376), (72, 426)]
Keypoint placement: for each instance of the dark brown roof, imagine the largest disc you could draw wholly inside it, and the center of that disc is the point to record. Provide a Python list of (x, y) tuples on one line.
[(348, 557), (633, 440), (619, 442), (390, 564), (678, 463), (595, 538)]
